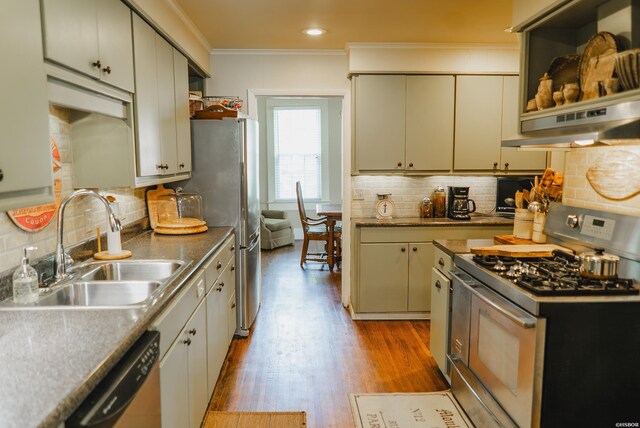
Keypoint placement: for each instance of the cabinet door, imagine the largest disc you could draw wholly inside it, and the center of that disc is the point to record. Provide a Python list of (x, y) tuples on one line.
[(25, 155), (166, 105), (383, 278), (439, 336), (429, 123), (71, 34), (149, 150), (231, 316), (183, 126), (115, 43), (510, 157), (229, 299), (420, 264), (478, 127), (198, 393), (379, 122), (216, 334), (174, 385)]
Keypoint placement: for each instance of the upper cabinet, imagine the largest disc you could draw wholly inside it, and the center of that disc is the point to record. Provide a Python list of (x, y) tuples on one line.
[(437, 124), (403, 123), (161, 104), (524, 11), (92, 37), (25, 155)]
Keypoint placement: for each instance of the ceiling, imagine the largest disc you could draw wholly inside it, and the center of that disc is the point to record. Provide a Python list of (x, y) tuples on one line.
[(278, 24)]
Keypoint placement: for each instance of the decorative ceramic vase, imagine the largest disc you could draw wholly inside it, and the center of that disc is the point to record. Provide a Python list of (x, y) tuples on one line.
[(571, 92), (558, 97)]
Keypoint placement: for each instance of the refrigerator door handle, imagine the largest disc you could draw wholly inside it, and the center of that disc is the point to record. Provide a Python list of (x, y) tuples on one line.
[(255, 241)]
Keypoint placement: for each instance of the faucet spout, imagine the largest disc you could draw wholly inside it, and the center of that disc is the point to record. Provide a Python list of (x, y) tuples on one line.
[(59, 266)]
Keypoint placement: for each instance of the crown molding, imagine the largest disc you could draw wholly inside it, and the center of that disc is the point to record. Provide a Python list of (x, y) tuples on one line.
[(314, 52), (434, 46), (190, 24)]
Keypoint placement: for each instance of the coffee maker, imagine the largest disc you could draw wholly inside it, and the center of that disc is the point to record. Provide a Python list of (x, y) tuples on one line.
[(460, 205)]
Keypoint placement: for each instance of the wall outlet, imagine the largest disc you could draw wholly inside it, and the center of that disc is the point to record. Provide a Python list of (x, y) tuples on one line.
[(358, 194)]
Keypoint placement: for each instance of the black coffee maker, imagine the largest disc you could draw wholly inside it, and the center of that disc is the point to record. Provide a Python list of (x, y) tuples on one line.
[(459, 203)]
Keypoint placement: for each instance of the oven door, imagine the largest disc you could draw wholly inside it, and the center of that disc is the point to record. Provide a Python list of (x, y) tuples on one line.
[(505, 353)]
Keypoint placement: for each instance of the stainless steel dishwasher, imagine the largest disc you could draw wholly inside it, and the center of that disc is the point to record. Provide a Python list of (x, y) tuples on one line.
[(129, 396)]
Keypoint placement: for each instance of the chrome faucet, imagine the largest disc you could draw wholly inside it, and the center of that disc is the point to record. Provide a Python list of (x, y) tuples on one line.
[(59, 266)]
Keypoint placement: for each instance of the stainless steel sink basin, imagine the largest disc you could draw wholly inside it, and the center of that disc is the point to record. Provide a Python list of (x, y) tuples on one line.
[(101, 293), (112, 284), (129, 270)]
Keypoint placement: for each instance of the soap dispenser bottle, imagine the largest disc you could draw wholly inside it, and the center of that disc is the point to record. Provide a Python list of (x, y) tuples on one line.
[(25, 281)]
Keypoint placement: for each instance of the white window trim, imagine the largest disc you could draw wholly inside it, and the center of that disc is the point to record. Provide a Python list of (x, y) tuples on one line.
[(323, 103)]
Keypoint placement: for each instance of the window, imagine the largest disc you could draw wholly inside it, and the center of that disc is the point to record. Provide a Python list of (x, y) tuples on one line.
[(297, 144)]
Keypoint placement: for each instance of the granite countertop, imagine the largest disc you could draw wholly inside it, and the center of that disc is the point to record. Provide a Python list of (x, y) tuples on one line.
[(52, 358), (476, 220), (461, 246)]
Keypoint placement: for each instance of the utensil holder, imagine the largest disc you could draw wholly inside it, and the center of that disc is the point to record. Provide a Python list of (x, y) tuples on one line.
[(523, 224)]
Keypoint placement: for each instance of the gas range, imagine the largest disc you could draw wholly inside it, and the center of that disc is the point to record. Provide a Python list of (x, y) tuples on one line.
[(554, 276)]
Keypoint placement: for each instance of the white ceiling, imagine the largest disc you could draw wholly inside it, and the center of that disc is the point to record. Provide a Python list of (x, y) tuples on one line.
[(278, 24)]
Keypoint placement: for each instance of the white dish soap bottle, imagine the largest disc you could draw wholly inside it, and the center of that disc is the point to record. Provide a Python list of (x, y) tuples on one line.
[(25, 281)]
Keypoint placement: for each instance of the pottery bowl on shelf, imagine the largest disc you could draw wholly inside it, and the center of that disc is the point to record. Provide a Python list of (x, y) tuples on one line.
[(626, 65)]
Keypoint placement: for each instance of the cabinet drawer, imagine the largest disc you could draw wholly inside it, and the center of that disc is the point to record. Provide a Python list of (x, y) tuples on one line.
[(213, 268), (442, 261), (173, 319)]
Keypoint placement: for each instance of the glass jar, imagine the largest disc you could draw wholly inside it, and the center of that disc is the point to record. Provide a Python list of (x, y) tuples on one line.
[(439, 198), (174, 208), (426, 208)]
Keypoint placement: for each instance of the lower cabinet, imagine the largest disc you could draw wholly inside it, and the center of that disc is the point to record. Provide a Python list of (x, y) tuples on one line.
[(439, 333), (393, 274)]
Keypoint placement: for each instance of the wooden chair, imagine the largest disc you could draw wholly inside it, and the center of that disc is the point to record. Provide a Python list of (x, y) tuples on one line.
[(315, 229)]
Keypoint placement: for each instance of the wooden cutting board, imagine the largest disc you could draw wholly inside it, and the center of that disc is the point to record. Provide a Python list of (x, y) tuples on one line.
[(511, 240), (536, 250), (180, 231), (152, 203)]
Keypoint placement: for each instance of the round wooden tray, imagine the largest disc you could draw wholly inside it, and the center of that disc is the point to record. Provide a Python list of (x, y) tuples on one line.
[(104, 255), (180, 231), (182, 223)]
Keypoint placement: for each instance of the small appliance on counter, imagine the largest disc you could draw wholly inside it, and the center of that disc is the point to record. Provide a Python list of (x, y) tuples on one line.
[(460, 206), (174, 212), (506, 191)]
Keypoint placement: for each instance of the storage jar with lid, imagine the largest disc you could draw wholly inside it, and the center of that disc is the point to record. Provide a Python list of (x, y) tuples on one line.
[(439, 199), (426, 208), (179, 208)]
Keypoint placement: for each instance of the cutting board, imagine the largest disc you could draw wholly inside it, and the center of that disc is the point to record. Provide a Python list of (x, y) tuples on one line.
[(180, 231), (536, 250), (152, 203), (511, 240)]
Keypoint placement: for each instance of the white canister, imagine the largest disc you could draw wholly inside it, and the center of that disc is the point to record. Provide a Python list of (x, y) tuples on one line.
[(538, 236), (523, 224)]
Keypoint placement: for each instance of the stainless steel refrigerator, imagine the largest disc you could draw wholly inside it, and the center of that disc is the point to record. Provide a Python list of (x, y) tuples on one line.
[(225, 174)]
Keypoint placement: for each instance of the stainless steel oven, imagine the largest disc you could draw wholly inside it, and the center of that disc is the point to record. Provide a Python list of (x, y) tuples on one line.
[(501, 345)]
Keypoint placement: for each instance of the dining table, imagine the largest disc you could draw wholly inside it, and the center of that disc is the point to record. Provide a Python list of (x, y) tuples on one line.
[(333, 213)]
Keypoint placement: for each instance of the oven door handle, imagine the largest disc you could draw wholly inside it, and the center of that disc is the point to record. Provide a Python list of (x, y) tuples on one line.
[(487, 297)]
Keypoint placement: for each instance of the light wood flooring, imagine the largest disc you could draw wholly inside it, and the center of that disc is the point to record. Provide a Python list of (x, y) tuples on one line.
[(306, 354)]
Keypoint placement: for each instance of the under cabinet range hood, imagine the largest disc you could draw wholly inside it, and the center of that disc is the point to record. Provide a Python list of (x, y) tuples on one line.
[(615, 124)]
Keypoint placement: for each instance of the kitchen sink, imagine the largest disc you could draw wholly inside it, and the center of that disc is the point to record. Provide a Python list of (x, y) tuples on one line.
[(108, 284), (101, 293)]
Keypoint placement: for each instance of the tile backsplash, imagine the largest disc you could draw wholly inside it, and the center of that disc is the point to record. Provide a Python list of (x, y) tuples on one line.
[(407, 192), (578, 192), (79, 225)]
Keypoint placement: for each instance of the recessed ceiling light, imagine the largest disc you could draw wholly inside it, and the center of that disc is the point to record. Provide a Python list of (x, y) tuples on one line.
[(314, 31)]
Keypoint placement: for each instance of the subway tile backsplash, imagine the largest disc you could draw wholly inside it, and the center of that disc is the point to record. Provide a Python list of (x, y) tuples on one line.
[(407, 192)]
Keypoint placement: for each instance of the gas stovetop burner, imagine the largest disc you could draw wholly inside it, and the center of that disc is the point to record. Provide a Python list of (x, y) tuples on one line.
[(553, 276)]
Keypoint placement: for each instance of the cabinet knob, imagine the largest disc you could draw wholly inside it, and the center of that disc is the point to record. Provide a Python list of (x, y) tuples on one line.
[(399, 163), (438, 285), (233, 248), (232, 268), (233, 305), (166, 166), (159, 166), (506, 165), (1, 175), (187, 342), (97, 64), (403, 249), (495, 165), (192, 332), (107, 69), (219, 265), (182, 165), (220, 286), (441, 262), (415, 249), (411, 165)]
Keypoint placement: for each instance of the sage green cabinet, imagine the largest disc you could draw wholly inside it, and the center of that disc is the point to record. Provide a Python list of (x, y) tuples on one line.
[(439, 331), (181, 106), (404, 123), (384, 276), (92, 37), (26, 177), (486, 113), (420, 258)]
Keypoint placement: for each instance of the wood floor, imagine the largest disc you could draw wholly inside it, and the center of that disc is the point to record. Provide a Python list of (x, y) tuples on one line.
[(306, 354)]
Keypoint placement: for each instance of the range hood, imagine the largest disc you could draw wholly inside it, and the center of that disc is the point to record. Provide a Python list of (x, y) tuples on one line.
[(615, 124)]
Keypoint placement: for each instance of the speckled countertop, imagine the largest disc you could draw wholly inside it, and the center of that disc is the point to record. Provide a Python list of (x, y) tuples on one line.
[(476, 220), (51, 359), (461, 246)]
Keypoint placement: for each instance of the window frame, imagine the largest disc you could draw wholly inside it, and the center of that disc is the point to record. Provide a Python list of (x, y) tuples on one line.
[(305, 102)]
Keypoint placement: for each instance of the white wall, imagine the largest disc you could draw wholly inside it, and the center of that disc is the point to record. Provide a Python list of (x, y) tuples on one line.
[(251, 73)]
